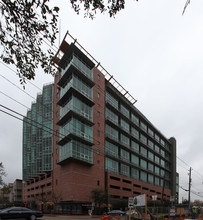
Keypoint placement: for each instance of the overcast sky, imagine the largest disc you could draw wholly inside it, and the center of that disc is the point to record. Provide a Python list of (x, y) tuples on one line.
[(151, 50)]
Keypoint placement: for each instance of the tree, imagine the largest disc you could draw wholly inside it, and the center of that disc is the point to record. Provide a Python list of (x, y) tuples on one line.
[(91, 6), (2, 173), (99, 196), (26, 24)]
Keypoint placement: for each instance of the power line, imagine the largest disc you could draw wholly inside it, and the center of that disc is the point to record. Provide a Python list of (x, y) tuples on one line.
[(17, 86), (94, 149), (17, 73), (101, 113)]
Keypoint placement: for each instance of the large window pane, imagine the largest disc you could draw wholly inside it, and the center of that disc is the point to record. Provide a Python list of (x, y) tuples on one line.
[(111, 116), (111, 165), (135, 146), (143, 164), (125, 155), (111, 132), (111, 149), (134, 159), (125, 125), (125, 170), (135, 173), (125, 140), (112, 100)]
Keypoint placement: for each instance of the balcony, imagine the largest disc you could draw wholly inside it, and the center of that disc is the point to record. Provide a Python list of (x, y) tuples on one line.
[(70, 89), (75, 151), (78, 67), (70, 110), (70, 133)]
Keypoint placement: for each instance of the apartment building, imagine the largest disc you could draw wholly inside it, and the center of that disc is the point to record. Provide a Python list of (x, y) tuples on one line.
[(100, 140)]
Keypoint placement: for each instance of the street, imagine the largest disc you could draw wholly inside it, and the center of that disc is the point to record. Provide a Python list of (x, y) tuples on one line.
[(68, 218)]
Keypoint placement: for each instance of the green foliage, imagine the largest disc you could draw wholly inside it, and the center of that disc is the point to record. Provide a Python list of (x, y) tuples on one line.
[(91, 6), (2, 174), (99, 196), (24, 25)]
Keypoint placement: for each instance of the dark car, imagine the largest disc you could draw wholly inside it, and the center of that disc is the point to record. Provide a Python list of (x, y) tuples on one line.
[(19, 212)]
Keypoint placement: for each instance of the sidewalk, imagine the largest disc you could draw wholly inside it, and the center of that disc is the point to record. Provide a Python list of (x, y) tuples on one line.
[(75, 217)]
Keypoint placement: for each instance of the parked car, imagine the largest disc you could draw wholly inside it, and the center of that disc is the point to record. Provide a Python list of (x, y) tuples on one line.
[(19, 212), (116, 212)]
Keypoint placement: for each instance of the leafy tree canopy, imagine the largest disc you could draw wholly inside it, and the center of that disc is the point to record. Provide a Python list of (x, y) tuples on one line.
[(25, 24), (99, 196)]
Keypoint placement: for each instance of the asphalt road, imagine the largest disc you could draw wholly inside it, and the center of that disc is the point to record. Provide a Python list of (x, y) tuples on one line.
[(68, 218)]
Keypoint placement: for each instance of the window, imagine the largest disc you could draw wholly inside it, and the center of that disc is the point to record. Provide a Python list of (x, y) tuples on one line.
[(162, 163), (151, 178), (98, 143), (125, 140), (156, 181), (162, 142), (156, 148), (78, 106), (80, 85), (143, 176), (162, 172), (111, 132), (135, 146), (156, 159), (162, 153), (125, 155), (151, 144), (150, 155), (98, 114), (98, 77), (157, 137), (151, 133), (143, 126), (98, 151), (111, 149), (150, 167), (143, 139), (111, 116), (111, 100), (124, 111), (156, 170), (143, 151), (98, 95), (135, 132), (77, 150), (111, 165), (134, 159), (135, 119), (98, 124), (143, 164), (125, 125), (98, 132), (125, 170), (135, 173)]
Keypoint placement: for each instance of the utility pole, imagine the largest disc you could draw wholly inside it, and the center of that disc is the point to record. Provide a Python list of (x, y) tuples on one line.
[(190, 180)]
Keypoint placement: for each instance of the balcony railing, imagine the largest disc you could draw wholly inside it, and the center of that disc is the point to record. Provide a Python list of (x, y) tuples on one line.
[(80, 65), (67, 108), (71, 84)]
